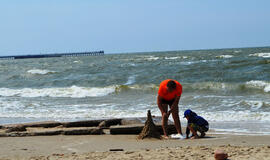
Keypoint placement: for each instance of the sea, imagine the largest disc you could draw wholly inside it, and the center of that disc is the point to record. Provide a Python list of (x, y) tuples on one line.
[(228, 87)]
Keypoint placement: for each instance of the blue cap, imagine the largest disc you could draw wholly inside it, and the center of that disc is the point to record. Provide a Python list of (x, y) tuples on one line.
[(187, 113)]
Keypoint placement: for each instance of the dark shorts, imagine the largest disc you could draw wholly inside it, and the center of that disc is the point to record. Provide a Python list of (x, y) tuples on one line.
[(199, 128), (170, 102)]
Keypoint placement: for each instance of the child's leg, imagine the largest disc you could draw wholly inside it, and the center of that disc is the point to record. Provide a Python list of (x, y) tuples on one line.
[(202, 130)]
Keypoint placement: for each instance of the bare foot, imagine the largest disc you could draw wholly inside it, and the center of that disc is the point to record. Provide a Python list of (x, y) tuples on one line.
[(194, 137), (202, 135), (165, 137)]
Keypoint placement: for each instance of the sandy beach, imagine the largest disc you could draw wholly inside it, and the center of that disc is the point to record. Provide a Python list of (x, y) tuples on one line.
[(99, 146)]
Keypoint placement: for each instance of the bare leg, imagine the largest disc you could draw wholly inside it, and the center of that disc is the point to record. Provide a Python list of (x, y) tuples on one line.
[(176, 119), (164, 119)]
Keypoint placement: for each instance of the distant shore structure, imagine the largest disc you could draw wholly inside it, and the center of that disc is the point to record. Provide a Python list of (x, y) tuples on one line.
[(94, 53)]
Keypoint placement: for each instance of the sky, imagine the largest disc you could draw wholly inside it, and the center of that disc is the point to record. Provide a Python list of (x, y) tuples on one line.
[(124, 26)]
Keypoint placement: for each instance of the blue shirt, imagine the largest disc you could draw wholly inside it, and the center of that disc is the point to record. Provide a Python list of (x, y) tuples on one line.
[(200, 121)]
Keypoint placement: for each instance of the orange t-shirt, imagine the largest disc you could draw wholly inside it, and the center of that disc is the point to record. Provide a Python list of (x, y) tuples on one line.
[(163, 92)]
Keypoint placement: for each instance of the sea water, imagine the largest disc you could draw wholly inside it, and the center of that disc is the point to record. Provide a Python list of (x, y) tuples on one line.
[(228, 87)]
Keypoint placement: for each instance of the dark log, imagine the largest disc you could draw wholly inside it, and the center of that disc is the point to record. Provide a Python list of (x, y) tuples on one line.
[(110, 122), (45, 133), (15, 128), (83, 131), (136, 129), (90, 123), (46, 124), (126, 129)]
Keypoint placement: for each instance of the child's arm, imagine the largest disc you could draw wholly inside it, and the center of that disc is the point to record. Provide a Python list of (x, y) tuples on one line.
[(187, 131)]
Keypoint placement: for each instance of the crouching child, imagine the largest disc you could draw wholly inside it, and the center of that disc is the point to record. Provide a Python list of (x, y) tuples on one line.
[(195, 124)]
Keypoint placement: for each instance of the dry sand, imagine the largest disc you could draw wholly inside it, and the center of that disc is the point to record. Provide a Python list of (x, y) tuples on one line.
[(98, 146)]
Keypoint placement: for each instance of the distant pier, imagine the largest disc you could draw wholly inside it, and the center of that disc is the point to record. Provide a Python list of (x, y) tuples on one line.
[(95, 53)]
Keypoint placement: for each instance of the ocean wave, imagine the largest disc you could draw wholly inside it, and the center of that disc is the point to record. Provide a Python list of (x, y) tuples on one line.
[(89, 111), (230, 116), (73, 92), (128, 65), (144, 88), (238, 51), (131, 80), (202, 86), (259, 85), (151, 58), (195, 62), (129, 86), (40, 71), (255, 105), (225, 56), (172, 58), (232, 87), (264, 55)]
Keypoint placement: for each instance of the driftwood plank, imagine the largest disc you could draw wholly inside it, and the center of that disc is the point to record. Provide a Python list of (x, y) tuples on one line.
[(90, 123), (46, 124), (83, 131)]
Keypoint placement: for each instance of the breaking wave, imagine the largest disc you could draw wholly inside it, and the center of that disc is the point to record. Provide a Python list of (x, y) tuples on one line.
[(73, 92), (131, 80), (80, 92), (172, 58), (259, 85), (225, 56), (264, 55), (40, 71)]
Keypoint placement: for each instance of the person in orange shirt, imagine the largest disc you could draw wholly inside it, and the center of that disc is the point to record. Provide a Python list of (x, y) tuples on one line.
[(169, 93)]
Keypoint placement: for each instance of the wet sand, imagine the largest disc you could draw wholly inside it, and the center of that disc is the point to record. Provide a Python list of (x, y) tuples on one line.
[(98, 147)]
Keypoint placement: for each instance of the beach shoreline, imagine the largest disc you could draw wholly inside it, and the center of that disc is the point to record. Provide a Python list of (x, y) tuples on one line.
[(99, 146)]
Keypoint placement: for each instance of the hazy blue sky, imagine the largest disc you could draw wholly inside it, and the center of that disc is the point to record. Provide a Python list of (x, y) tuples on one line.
[(46, 26)]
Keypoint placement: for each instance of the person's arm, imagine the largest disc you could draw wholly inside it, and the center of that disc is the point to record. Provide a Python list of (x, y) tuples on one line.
[(175, 104), (159, 104)]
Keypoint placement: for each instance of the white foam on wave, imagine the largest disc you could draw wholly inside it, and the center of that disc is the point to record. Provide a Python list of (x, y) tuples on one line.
[(128, 65), (151, 58), (172, 58), (225, 56), (259, 84), (112, 111), (79, 111), (238, 51), (73, 92), (229, 116), (255, 105), (195, 62), (40, 71), (131, 80), (264, 55)]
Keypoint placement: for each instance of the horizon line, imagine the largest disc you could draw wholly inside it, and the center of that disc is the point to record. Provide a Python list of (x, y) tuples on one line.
[(187, 50)]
